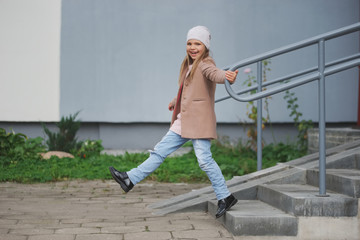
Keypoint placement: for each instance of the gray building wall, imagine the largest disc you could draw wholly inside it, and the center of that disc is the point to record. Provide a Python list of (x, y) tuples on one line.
[(120, 59)]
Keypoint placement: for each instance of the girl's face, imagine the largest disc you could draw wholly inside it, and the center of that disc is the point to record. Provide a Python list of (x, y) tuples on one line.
[(195, 48)]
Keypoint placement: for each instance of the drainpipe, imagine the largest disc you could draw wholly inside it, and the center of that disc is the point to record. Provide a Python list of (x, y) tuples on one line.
[(358, 117)]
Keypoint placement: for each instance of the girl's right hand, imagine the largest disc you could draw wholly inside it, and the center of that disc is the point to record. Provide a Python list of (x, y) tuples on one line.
[(231, 76)]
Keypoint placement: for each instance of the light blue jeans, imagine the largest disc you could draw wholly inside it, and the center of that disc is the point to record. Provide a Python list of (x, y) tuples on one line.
[(171, 142)]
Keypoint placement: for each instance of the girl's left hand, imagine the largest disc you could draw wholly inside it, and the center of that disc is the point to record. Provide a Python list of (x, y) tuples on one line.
[(231, 76), (171, 106)]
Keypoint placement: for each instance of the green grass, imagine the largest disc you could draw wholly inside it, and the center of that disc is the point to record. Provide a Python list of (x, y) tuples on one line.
[(233, 161)]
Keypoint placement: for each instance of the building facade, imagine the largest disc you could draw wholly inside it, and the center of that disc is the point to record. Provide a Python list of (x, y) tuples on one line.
[(117, 62)]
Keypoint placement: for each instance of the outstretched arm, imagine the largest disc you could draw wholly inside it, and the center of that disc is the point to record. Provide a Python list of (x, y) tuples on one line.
[(215, 74)]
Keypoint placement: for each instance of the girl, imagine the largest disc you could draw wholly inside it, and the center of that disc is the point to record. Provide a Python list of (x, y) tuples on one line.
[(193, 119)]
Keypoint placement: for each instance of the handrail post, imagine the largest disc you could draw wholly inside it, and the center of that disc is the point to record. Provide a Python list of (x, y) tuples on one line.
[(259, 117), (322, 129)]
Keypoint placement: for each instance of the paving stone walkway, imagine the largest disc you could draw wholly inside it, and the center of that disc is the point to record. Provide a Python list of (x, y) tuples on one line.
[(91, 210)]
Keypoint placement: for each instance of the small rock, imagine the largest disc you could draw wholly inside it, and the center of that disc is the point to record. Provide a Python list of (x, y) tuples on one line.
[(59, 154)]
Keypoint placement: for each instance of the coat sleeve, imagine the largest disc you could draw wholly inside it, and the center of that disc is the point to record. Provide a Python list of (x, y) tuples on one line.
[(211, 72)]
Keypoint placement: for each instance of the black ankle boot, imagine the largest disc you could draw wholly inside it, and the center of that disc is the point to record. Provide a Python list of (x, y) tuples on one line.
[(225, 204), (121, 178)]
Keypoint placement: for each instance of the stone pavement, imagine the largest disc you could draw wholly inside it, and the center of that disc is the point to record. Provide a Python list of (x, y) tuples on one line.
[(79, 210)]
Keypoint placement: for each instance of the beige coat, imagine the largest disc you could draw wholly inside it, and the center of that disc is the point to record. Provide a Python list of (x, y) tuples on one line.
[(198, 118)]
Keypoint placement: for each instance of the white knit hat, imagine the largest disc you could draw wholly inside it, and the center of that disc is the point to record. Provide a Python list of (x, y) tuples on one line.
[(200, 33)]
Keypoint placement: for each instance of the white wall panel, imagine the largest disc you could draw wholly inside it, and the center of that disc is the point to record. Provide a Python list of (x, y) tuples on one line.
[(30, 60)]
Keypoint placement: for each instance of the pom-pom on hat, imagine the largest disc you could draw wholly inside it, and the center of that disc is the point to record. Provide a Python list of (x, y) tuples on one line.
[(200, 33)]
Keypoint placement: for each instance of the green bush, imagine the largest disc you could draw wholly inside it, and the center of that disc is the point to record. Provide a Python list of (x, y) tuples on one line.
[(64, 140), (16, 147), (89, 148)]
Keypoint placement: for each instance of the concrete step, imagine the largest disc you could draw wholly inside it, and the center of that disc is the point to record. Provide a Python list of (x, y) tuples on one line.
[(256, 218), (344, 181), (245, 187), (303, 200)]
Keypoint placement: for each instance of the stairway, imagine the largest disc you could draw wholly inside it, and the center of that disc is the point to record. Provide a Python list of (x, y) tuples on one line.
[(283, 200)]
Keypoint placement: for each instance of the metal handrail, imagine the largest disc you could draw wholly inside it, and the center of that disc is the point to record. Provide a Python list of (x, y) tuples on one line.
[(303, 77), (290, 76), (295, 83)]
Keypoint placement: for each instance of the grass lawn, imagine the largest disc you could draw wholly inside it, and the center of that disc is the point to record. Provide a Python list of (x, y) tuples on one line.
[(233, 161)]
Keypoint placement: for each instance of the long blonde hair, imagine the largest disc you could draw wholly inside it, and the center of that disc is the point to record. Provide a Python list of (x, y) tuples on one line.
[(188, 61)]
